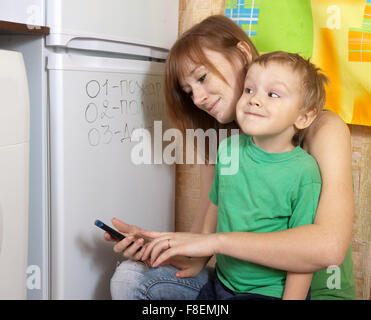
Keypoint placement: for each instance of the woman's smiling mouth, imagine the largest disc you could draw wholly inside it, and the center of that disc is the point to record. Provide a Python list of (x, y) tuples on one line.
[(212, 107)]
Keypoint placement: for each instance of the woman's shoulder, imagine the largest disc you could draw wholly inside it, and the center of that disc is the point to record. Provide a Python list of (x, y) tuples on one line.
[(326, 124)]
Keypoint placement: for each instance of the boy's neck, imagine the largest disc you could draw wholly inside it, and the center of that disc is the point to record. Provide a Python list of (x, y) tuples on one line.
[(274, 144)]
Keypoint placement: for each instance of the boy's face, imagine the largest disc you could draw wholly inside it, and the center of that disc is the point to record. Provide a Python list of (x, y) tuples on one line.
[(271, 100)]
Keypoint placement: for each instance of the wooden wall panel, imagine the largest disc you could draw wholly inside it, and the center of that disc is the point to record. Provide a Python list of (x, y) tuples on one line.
[(361, 165)]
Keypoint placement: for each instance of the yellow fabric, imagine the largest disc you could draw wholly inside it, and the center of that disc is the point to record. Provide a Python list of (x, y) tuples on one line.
[(336, 34), (342, 48)]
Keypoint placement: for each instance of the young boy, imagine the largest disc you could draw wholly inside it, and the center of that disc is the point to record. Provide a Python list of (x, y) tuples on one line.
[(277, 184)]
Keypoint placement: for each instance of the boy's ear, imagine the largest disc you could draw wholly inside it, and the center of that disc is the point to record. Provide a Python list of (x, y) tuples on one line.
[(244, 47), (305, 119)]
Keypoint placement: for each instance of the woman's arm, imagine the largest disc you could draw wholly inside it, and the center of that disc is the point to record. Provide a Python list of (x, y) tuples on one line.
[(328, 141)]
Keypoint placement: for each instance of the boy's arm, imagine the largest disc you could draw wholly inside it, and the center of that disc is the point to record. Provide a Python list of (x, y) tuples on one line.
[(297, 286)]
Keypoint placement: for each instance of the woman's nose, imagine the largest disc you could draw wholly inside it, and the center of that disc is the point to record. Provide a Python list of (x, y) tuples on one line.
[(199, 96)]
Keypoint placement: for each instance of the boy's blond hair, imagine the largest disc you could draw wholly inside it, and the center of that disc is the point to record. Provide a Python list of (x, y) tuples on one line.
[(312, 79)]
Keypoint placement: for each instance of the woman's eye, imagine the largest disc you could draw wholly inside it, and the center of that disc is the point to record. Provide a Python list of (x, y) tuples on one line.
[(202, 78), (273, 95)]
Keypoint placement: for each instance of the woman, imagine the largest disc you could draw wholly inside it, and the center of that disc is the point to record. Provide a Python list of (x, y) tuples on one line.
[(203, 82)]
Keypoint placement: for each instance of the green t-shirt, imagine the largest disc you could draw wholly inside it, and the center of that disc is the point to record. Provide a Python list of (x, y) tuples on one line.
[(264, 184), (269, 192), (335, 283)]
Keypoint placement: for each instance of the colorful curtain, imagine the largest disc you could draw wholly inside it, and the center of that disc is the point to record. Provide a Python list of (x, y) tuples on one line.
[(335, 34)]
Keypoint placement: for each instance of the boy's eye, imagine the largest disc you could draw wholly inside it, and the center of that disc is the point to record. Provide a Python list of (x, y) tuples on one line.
[(248, 90), (273, 95)]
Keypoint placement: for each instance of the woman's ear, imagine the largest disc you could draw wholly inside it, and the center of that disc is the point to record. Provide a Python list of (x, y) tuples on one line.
[(244, 47)]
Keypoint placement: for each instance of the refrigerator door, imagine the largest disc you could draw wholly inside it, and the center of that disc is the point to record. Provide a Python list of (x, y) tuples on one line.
[(145, 24), (95, 103)]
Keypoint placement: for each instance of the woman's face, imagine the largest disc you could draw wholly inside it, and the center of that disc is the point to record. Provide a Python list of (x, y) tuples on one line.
[(209, 92)]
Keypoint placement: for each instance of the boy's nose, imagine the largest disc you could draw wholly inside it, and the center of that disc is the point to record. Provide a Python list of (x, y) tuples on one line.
[(255, 101)]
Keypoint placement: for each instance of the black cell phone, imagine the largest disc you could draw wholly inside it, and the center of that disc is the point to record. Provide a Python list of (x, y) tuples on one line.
[(115, 234)]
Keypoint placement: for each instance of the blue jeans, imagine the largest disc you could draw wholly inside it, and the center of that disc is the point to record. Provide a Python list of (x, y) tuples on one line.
[(133, 280), (214, 289)]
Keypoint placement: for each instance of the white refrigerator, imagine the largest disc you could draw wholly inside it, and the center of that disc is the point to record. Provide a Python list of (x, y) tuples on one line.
[(93, 80)]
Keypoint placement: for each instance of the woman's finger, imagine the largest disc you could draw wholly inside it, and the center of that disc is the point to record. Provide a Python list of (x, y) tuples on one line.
[(158, 248), (139, 254), (131, 251), (153, 234), (185, 273), (108, 237), (124, 227), (150, 246), (165, 255), (123, 244)]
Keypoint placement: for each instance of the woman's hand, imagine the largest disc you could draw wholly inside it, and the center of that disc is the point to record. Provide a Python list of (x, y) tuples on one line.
[(166, 245), (188, 267), (130, 246)]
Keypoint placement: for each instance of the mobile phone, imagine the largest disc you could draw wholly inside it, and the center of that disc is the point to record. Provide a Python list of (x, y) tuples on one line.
[(115, 234)]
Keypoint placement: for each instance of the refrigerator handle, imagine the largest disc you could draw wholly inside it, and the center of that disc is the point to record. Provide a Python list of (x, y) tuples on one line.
[(104, 45)]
